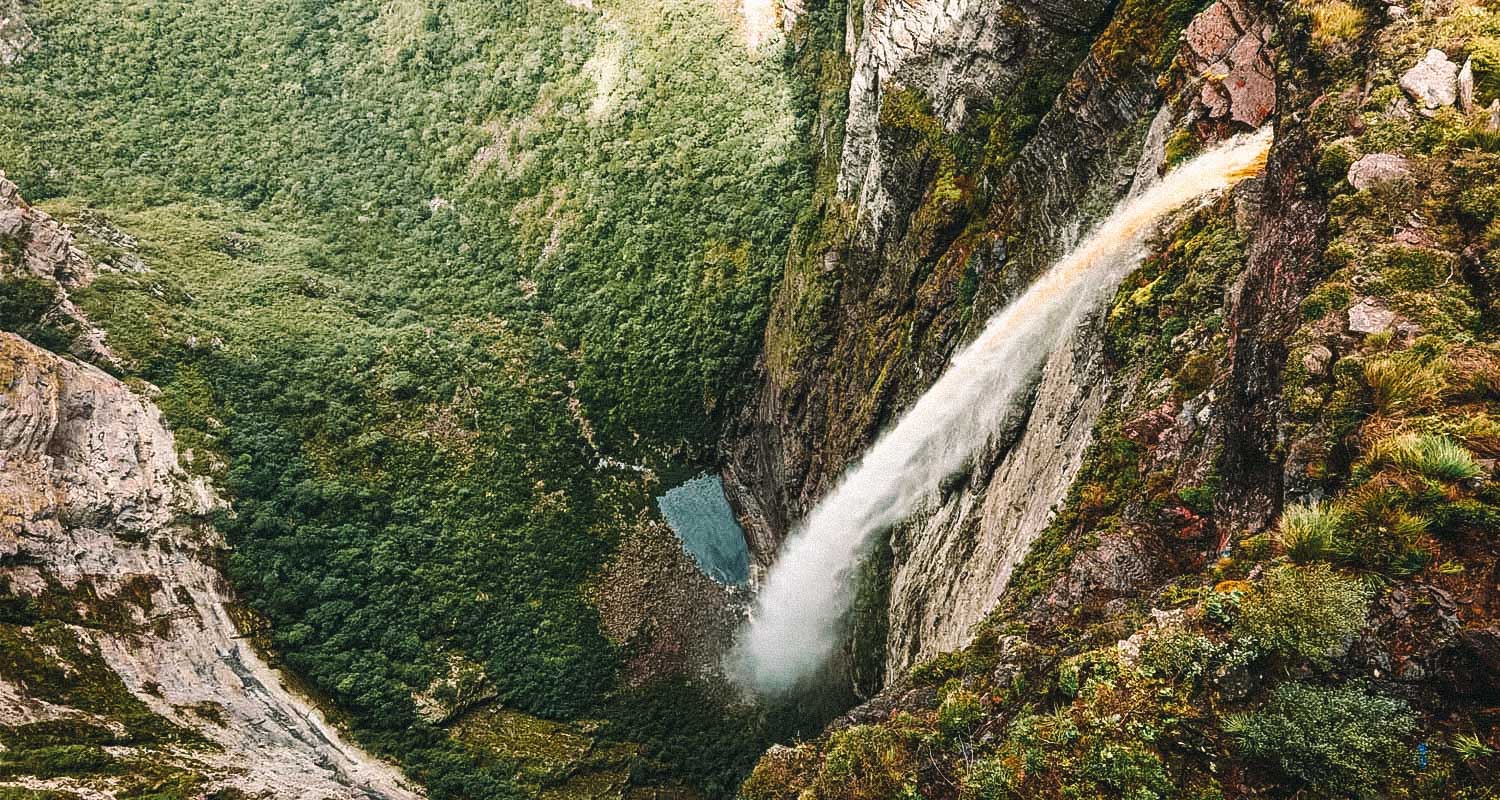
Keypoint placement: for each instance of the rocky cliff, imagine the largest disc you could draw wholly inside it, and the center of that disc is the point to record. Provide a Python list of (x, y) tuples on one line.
[(873, 305), (1272, 571), (122, 669)]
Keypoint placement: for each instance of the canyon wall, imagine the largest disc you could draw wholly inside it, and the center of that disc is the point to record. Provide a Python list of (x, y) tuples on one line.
[(118, 630), (919, 255)]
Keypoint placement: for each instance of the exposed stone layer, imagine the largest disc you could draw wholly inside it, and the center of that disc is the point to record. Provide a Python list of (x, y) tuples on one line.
[(91, 494), (106, 540), (899, 312)]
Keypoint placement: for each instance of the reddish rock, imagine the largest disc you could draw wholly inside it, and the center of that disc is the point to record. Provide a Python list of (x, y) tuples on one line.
[(1148, 427), (1189, 525), (1227, 45)]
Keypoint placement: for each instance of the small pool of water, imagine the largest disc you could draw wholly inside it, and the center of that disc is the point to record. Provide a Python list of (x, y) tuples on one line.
[(700, 515)]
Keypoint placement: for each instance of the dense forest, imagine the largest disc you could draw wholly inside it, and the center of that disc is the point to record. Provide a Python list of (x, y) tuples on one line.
[(420, 284)]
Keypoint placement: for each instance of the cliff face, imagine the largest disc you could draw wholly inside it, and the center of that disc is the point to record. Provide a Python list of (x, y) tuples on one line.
[(920, 251), (120, 656), (1272, 573)]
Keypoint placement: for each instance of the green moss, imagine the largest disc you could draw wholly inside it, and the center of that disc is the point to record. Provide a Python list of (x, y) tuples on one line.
[(58, 761), (16, 793), (1485, 53), (1182, 146), (60, 731), (866, 762)]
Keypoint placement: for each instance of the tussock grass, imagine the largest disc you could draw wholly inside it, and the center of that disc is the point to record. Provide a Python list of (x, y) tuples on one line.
[(1473, 374), (1308, 533), (1430, 455), (1399, 386), (1335, 22), (1481, 433)]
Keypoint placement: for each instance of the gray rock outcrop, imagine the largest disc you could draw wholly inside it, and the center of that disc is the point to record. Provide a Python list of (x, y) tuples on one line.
[(1433, 82), (1376, 169), (91, 495), (16, 37), (102, 529)]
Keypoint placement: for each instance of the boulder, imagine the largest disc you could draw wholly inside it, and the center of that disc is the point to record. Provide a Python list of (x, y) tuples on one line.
[(1376, 169), (1368, 316), (1147, 428), (1316, 360), (1433, 82)]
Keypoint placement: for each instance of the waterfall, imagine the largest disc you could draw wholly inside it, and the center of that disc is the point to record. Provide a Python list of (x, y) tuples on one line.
[(799, 614)]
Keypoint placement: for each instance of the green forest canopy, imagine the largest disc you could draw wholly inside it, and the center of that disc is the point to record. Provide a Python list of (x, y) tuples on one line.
[(398, 251)]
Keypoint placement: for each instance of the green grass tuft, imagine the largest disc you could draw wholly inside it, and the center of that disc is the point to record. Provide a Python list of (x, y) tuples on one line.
[(1307, 533)]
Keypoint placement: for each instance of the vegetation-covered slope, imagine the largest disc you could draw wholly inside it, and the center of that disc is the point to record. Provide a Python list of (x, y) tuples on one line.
[(423, 279)]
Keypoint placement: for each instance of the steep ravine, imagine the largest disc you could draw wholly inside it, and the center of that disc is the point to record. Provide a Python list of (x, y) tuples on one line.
[(1274, 572), (910, 286)]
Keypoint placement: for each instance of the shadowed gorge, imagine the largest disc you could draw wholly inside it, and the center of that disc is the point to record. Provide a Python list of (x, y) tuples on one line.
[(755, 399), (799, 617)]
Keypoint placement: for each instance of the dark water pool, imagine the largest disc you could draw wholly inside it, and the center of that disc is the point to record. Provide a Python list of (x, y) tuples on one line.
[(700, 515)]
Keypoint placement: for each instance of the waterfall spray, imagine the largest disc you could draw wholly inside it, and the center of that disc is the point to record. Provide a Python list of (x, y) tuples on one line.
[(799, 615)]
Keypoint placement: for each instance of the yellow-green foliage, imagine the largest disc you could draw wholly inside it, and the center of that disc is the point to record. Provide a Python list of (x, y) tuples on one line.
[(1485, 54), (959, 712), (1309, 612), (1335, 22), (1481, 432), (1399, 384), (780, 774), (1181, 146), (1307, 533), (866, 762), (1383, 532), (1430, 455)]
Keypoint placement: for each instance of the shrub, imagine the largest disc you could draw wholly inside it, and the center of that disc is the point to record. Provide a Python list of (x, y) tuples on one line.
[(989, 779), (1398, 386), (960, 712), (780, 774), (865, 762), (1430, 455), (1339, 740), (1307, 533), (1382, 533), (1310, 612), (51, 762)]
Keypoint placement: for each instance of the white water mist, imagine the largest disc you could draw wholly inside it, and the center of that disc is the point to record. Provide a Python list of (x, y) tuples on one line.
[(799, 615)]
